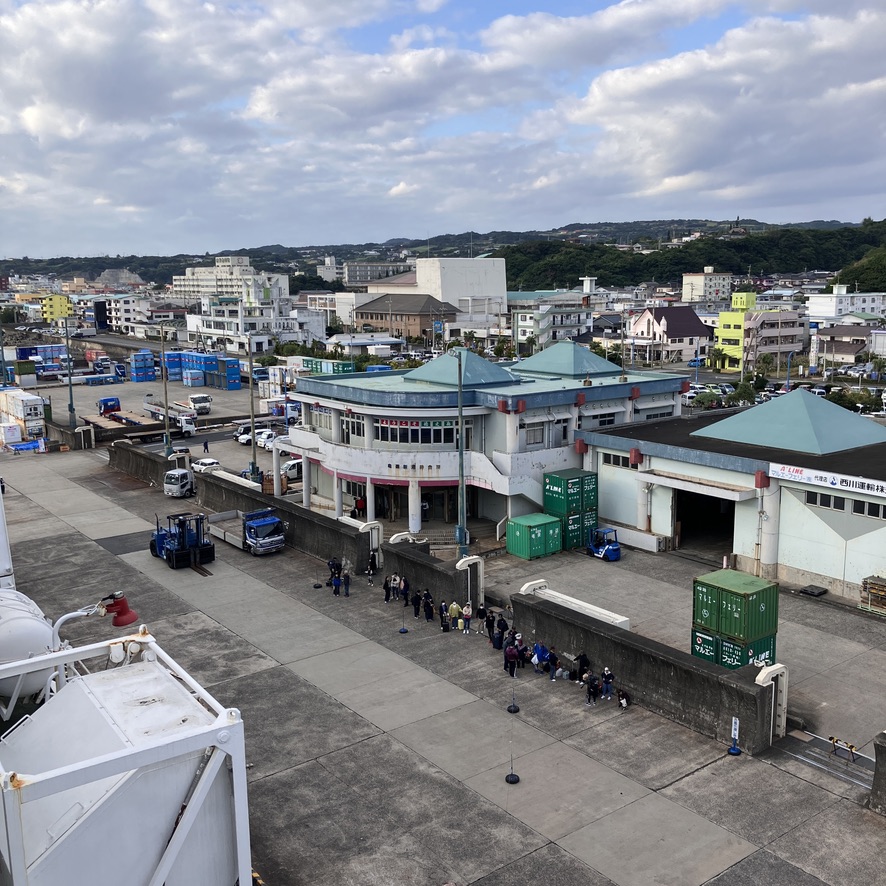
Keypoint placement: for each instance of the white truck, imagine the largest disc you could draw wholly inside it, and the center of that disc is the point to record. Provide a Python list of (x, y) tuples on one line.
[(183, 419), (201, 404), (258, 532), (179, 483)]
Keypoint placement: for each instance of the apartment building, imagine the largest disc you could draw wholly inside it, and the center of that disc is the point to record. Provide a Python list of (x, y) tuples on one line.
[(707, 286)]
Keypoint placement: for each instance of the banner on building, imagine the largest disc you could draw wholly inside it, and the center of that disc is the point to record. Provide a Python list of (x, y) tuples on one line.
[(836, 482)]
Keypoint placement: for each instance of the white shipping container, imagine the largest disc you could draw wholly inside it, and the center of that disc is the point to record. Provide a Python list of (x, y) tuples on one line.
[(10, 432)]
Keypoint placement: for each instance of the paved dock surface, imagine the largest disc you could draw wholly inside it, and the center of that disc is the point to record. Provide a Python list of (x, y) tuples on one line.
[(379, 757)]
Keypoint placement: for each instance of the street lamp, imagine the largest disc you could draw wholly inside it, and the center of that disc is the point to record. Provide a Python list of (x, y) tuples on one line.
[(72, 418), (163, 374), (787, 384), (461, 532), (253, 466)]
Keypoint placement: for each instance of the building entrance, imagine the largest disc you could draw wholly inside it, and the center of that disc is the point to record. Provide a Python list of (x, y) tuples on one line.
[(703, 524)]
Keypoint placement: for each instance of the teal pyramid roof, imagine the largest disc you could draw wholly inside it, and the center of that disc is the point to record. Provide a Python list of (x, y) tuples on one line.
[(568, 360), (799, 422), (476, 371)]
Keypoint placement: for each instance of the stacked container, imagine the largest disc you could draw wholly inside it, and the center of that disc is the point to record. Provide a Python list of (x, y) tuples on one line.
[(734, 618), (571, 495), (25, 410), (141, 366), (534, 535), (193, 378), (173, 365)]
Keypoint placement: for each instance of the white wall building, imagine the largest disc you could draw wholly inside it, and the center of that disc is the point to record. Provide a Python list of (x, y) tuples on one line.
[(833, 305), (707, 286)]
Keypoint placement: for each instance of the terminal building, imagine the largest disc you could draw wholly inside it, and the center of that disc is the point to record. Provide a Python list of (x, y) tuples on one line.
[(392, 438), (792, 490)]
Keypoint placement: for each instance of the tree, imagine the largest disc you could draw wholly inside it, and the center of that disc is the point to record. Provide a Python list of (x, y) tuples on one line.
[(716, 356), (743, 395), (531, 342), (706, 400)]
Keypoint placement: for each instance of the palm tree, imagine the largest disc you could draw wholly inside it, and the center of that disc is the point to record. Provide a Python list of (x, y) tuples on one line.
[(530, 343), (716, 357)]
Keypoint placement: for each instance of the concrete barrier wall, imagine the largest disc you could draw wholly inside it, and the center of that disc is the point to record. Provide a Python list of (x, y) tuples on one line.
[(313, 533), (700, 695)]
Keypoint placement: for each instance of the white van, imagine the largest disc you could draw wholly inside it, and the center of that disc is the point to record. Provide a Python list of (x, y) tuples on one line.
[(291, 469)]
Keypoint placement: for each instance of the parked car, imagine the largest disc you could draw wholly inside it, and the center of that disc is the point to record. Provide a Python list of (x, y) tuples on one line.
[(688, 399), (818, 391), (201, 465), (245, 439), (265, 439), (727, 388), (696, 388), (696, 362)]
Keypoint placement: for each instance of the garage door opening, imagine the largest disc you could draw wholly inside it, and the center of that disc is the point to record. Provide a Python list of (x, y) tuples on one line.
[(705, 525)]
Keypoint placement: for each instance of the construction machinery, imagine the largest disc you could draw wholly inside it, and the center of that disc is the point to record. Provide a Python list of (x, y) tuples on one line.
[(183, 542), (603, 543)]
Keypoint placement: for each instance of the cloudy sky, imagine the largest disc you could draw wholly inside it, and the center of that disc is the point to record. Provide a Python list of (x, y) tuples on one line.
[(167, 126)]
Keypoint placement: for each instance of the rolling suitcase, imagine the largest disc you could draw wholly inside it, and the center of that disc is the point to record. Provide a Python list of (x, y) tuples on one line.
[(461, 624), (445, 627)]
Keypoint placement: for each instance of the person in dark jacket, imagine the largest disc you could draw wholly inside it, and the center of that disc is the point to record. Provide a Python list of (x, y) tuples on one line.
[(404, 591), (387, 588), (490, 624), (607, 681), (511, 655), (523, 652), (416, 602), (593, 685), (428, 605), (502, 624), (481, 618), (554, 662), (583, 666), (444, 613), (623, 700)]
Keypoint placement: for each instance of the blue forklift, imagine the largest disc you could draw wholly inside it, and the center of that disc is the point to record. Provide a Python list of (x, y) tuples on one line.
[(183, 542), (603, 543)]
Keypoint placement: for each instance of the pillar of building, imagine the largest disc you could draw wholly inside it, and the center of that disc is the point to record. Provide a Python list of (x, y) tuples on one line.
[(278, 481), (414, 495), (336, 495), (336, 426), (877, 802), (370, 500), (770, 505), (306, 478)]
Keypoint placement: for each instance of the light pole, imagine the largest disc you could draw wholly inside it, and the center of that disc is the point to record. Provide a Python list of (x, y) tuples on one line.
[(72, 418), (163, 373), (461, 531), (253, 466), (787, 384)]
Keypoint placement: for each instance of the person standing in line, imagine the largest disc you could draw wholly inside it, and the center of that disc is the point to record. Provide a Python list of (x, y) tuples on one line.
[(395, 585), (583, 665), (416, 602), (387, 588), (593, 685), (373, 564), (502, 624), (467, 613), (554, 662), (509, 641), (522, 651), (428, 603), (481, 618), (336, 585), (404, 591), (346, 582), (444, 613), (490, 625), (511, 659), (608, 680), (206, 445), (540, 654), (454, 614)]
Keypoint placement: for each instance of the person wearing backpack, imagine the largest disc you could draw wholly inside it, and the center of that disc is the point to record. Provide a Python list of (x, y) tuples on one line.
[(554, 662)]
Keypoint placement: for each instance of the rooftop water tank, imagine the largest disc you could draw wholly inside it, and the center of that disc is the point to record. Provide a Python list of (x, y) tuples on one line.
[(24, 631)]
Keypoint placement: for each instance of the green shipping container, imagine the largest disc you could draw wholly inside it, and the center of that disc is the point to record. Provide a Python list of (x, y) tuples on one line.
[(553, 537), (706, 606), (588, 524), (574, 535), (705, 645), (734, 655), (589, 490), (748, 606), (570, 491), (563, 492), (529, 536)]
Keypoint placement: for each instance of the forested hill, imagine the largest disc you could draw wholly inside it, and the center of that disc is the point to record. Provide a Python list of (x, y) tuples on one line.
[(857, 253)]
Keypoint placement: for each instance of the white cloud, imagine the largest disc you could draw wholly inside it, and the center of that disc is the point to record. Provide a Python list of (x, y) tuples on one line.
[(202, 124)]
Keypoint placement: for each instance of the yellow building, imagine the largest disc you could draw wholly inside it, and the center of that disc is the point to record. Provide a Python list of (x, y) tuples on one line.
[(54, 306), (745, 332)]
